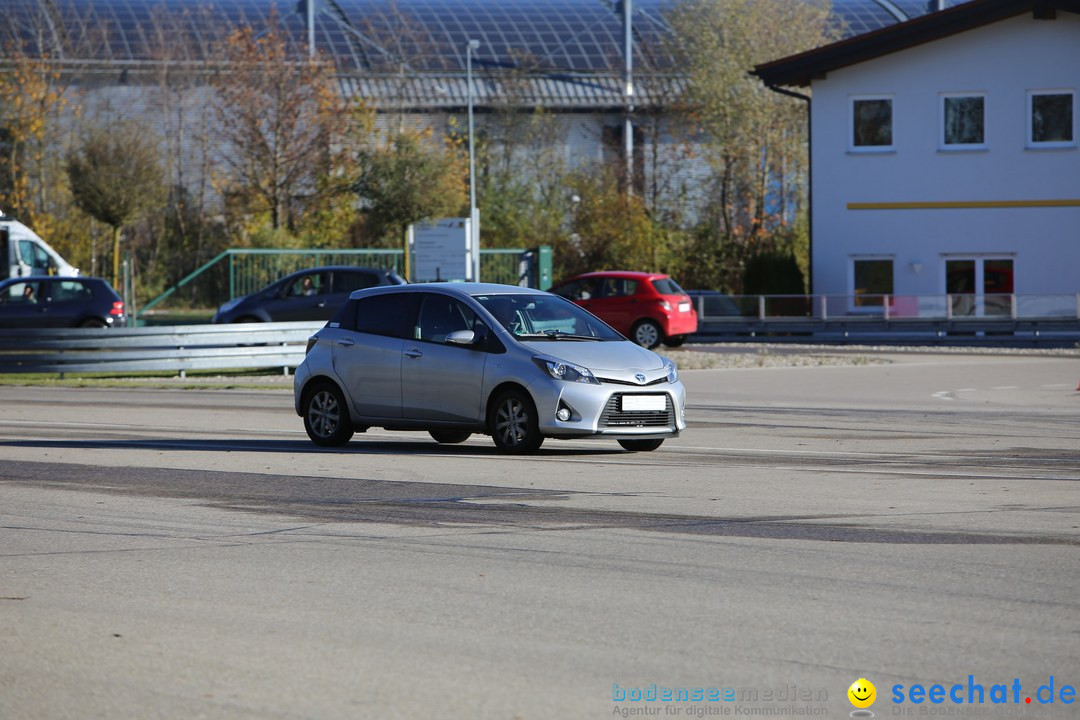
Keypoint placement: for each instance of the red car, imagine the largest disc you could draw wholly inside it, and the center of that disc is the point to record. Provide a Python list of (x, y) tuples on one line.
[(648, 308)]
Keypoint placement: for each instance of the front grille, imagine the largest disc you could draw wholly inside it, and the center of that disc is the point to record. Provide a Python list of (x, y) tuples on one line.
[(614, 417), (613, 381)]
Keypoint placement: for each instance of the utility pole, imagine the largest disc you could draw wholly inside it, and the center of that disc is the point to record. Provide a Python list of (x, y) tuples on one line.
[(628, 126), (474, 213), (310, 27)]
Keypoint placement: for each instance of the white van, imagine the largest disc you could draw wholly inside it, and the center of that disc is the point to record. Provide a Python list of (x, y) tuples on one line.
[(23, 253)]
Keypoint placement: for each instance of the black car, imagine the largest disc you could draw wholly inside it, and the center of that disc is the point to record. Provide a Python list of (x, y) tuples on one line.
[(52, 301), (715, 304), (312, 294)]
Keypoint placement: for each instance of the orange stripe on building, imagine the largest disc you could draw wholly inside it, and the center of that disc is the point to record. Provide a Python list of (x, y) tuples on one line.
[(962, 204)]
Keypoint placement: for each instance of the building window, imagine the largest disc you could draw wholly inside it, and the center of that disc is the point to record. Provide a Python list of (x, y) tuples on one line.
[(1052, 118), (963, 122), (872, 280), (871, 122)]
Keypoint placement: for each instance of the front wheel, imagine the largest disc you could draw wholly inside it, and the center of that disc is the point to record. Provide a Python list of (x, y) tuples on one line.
[(646, 333), (449, 437), (513, 423), (641, 445), (326, 418)]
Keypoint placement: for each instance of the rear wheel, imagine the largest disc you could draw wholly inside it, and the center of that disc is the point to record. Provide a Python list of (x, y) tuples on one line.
[(646, 333), (641, 445), (513, 424), (675, 340), (449, 437), (93, 323), (326, 418)]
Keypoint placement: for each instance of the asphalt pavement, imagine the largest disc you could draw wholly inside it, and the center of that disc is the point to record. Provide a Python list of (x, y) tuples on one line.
[(913, 521)]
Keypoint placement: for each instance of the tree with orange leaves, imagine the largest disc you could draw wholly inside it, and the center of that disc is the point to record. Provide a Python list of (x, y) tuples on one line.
[(278, 113)]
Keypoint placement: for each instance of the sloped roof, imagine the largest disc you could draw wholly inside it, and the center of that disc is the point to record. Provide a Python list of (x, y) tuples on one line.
[(800, 70), (371, 35)]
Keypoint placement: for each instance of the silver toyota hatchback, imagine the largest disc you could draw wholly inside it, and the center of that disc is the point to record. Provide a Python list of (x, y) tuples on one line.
[(459, 358)]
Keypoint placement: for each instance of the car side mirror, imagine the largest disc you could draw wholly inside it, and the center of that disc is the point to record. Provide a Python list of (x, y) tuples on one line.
[(461, 337)]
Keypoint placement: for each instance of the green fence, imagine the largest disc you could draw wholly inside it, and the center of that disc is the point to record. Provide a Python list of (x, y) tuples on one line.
[(250, 270)]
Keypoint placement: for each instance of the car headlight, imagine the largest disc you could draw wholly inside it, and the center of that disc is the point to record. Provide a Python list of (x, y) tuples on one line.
[(672, 371), (566, 371)]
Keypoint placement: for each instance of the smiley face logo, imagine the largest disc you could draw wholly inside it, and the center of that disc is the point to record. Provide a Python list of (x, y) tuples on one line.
[(862, 693)]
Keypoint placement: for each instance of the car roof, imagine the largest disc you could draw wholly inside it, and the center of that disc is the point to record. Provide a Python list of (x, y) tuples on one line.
[(38, 278), (630, 274), (324, 268), (455, 288)]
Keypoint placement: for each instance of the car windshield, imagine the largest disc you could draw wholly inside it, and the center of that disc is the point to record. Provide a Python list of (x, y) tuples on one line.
[(545, 317)]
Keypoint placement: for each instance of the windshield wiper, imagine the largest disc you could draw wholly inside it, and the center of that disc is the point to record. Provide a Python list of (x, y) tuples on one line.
[(557, 335)]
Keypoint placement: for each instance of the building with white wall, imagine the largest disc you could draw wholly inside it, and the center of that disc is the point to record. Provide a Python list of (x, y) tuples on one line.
[(945, 160)]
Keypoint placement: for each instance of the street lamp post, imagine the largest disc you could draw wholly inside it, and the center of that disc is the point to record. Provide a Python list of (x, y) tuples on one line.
[(474, 214)]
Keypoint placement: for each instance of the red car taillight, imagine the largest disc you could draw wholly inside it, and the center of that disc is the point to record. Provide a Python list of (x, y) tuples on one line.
[(117, 308)]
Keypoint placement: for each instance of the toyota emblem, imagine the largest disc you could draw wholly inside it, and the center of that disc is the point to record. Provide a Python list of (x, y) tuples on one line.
[(640, 377)]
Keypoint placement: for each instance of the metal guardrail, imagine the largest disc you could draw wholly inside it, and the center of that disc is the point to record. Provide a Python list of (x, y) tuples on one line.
[(1004, 332), (955, 319), (179, 348), (954, 306), (176, 348)]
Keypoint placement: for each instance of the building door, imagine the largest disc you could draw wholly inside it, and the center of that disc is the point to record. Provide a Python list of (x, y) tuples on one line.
[(979, 286)]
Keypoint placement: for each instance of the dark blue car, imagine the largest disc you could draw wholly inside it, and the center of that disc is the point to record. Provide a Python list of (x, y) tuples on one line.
[(54, 301), (312, 294)]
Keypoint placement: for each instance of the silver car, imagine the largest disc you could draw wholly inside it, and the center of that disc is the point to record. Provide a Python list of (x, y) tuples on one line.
[(459, 358)]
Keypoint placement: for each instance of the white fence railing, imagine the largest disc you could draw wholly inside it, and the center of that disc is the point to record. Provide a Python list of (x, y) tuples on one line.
[(719, 307)]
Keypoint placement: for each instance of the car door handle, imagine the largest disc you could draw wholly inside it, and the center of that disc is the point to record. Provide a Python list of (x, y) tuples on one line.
[(346, 342), (413, 353)]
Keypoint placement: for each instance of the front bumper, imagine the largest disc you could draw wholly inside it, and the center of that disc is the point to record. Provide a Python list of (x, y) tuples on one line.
[(598, 410)]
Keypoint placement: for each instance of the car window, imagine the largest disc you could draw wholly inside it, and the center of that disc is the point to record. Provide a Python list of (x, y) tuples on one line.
[(441, 315), (581, 289), (35, 256), (70, 290), (345, 281), (23, 292), (535, 316), (617, 287), (667, 286), (307, 284), (569, 290), (389, 314)]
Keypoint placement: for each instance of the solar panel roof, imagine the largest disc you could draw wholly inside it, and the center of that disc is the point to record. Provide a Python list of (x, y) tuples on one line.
[(379, 35)]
